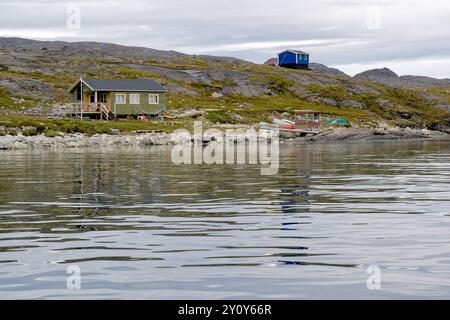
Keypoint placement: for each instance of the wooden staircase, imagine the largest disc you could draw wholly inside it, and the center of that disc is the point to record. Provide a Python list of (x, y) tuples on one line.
[(104, 112)]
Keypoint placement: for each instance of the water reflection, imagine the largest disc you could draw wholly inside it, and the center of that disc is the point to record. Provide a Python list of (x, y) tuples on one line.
[(139, 226)]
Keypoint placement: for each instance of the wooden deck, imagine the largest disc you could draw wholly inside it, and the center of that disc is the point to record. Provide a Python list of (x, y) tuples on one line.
[(304, 130), (79, 110)]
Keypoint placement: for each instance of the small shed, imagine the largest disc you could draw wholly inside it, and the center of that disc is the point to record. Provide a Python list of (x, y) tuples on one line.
[(105, 97), (293, 59), (310, 119), (271, 62)]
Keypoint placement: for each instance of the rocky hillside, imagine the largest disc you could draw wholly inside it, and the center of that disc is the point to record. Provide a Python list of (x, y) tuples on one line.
[(321, 68), (36, 75)]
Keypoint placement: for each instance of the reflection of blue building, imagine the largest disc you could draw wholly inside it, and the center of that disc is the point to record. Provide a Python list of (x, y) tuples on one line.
[(293, 59), (296, 196)]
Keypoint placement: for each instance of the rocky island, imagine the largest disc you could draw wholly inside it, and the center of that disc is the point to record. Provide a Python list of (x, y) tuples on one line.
[(35, 77)]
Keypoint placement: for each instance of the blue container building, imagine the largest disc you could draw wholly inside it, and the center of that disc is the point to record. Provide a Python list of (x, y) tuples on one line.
[(293, 59)]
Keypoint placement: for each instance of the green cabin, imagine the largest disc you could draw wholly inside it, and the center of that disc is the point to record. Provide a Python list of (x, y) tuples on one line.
[(104, 98)]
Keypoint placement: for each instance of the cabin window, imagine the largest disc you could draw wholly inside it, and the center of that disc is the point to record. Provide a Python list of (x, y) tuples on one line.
[(153, 98), (103, 97), (134, 98), (92, 98), (121, 98)]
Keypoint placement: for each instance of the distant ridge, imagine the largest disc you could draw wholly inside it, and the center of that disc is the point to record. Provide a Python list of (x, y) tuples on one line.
[(376, 74), (92, 47), (88, 49), (111, 50), (390, 78)]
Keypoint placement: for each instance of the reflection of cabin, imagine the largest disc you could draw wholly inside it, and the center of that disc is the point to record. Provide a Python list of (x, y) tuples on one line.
[(293, 59), (307, 119), (101, 98)]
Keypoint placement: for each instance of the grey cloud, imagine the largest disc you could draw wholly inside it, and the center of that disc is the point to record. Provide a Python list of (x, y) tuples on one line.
[(409, 30)]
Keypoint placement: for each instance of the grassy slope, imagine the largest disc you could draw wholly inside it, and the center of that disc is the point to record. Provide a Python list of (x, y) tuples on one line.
[(229, 108), (51, 127)]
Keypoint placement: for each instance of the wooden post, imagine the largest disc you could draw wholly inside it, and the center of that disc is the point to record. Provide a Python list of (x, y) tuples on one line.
[(81, 107), (96, 104)]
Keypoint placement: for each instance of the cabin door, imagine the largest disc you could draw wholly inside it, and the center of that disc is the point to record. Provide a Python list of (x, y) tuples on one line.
[(103, 98)]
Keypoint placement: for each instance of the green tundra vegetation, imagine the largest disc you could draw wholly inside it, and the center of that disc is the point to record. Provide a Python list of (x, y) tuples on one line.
[(51, 127), (224, 99)]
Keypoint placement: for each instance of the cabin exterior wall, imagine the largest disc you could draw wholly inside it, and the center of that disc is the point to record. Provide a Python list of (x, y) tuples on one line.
[(134, 109), (287, 58), (303, 59), (97, 101), (290, 59), (74, 93)]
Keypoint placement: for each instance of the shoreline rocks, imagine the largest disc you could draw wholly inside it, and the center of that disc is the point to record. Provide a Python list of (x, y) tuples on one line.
[(365, 135), (78, 140)]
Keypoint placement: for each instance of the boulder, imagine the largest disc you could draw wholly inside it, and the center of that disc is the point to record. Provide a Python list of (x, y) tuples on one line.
[(352, 104), (217, 95)]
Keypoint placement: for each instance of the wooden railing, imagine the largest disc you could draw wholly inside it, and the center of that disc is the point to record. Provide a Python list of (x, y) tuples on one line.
[(104, 112), (79, 109), (308, 124)]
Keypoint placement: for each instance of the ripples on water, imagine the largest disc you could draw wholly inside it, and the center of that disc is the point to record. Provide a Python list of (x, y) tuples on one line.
[(140, 227)]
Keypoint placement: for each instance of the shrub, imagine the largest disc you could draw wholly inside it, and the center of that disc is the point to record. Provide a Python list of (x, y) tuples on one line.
[(30, 131), (279, 84), (40, 127), (50, 133), (220, 116), (12, 132)]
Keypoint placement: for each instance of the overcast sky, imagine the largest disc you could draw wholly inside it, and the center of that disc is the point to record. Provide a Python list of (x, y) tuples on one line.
[(408, 36)]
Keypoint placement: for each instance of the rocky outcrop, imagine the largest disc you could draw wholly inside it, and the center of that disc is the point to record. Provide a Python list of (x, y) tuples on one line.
[(390, 78), (28, 87), (89, 49), (352, 104), (245, 90), (321, 68), (377, 75)]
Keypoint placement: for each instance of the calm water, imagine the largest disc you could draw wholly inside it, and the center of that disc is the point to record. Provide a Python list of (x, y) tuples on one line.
[(139, 227)]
